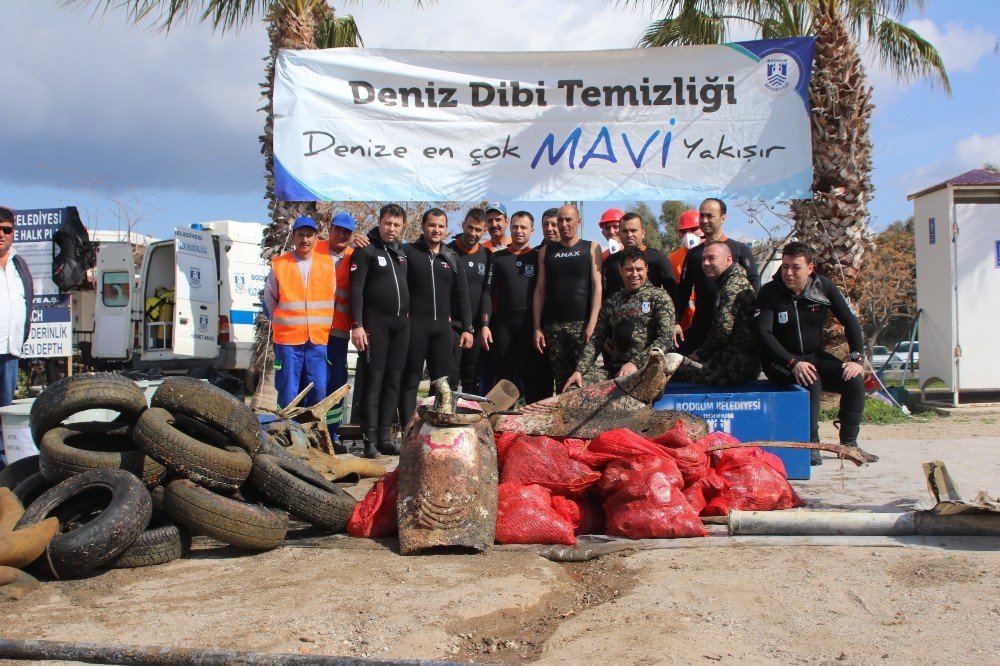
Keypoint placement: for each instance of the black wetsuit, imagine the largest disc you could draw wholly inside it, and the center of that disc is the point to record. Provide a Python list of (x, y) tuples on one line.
[(435, 280), (790, 329), (380, 302), (705, 290), (660, 272), (567, 282), (512, 286), (476, 265)]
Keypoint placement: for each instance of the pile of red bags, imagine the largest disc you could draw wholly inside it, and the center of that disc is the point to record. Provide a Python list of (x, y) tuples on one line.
[(618, 483)]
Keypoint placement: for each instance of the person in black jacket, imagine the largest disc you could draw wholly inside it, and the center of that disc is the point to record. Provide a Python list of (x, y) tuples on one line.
[(15, 306), (380, 330), (435, 281), (712, 215), (792, 310), (475, 261)]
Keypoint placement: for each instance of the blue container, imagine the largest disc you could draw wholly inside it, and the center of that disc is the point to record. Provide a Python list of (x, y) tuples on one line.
[(759, 411)]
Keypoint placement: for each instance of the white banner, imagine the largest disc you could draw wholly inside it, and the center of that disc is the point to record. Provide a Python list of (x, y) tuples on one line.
[(51, 332), (661, 123)]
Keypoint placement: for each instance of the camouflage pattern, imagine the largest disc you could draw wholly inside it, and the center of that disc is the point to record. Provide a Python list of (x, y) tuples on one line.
[(730, 354), (634, 322), (563, 343)]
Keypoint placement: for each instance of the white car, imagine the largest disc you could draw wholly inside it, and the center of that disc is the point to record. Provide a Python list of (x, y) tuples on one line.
[(880, 355), (904, 352)]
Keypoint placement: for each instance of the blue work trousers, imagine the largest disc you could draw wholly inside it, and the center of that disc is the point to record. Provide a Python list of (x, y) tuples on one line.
[(295, 366), (336, 376)]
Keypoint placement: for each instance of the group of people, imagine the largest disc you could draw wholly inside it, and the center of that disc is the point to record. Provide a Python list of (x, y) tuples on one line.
[(487, 305)]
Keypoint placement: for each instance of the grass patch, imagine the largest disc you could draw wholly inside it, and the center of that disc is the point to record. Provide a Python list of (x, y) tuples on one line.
[(876, 411)]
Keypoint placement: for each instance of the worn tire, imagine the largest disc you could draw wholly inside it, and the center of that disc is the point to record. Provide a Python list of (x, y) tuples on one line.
[(18, 471), (208, 403), (219, 469), (269, 447), (74, 448), (157, 545), (120, 506), (104, 390), (281, 483), (249, 526), (31, 488)]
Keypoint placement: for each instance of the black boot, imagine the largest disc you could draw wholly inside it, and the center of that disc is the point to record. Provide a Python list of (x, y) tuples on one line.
[(850, 427), (368, 437), (385, 444)]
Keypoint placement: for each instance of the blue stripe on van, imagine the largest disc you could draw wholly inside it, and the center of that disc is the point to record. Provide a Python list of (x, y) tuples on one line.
[(242, 316)]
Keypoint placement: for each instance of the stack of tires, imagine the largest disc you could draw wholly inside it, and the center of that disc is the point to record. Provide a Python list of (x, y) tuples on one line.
[(132, 491)]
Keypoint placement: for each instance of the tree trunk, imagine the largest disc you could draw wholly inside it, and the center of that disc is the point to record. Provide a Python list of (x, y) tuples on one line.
[(835, 221)]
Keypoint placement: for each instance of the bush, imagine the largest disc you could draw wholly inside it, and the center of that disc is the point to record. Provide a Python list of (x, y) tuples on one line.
[(876, 411)]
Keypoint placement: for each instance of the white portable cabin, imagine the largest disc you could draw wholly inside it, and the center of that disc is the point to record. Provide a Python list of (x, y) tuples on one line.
[(957, 229)]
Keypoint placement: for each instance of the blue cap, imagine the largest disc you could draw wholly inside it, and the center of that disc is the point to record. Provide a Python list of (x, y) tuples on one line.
[(305, 221), (344, 221), (496, 205)]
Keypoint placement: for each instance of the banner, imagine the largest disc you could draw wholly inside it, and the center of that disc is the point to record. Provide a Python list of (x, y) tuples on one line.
[(51, 326), (729, 120)]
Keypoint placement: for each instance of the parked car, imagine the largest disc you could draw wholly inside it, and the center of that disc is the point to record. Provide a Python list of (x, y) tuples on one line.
[(880, 355), (904, 352)]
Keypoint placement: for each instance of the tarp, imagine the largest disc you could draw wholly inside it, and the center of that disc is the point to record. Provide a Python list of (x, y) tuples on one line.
[(728, 120)]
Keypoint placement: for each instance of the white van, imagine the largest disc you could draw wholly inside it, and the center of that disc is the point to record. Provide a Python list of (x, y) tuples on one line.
[(193, 305)]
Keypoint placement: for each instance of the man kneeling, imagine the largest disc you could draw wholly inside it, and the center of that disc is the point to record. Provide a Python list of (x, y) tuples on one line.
[(729, 355), (631, 323)]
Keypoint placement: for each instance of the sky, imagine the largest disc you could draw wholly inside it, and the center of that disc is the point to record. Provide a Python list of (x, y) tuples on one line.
[(127, 123)]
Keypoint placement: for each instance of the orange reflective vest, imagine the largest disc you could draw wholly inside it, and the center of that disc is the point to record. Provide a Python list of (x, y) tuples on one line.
[(304, 313), (342, 297)]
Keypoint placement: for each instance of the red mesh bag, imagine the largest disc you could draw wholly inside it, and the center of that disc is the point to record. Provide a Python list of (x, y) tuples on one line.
[(503, 441), (704, 490), (568, 509), (591, 514), (375, 515), (755, 481), (546, 462), (691, 458), (643, 499), (618, 444), (525, 514)]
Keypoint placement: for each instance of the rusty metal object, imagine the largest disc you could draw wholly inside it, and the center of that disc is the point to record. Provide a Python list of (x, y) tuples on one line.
[(856, 455), (447, 477), (947, 498), (313, 418), (616, 403)]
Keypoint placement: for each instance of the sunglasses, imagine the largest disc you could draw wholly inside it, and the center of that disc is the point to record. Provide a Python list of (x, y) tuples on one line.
[(7, 230)]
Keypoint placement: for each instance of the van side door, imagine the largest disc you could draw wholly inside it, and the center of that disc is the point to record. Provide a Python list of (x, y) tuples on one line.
[(196, 306), (114, 281)]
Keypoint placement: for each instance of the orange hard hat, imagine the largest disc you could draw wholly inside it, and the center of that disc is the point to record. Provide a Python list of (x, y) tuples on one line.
[(611, 215), (688, 220)]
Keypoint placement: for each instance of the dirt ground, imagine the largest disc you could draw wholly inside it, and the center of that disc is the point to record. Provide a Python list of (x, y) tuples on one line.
[(718, 599)]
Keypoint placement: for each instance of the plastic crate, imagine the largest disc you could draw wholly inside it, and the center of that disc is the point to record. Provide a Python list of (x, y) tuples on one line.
[(759, 411)]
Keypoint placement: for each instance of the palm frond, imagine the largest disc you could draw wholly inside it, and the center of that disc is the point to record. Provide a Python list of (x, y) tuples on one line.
[(903, 51), (338, 31), (164, 14), (690, 27)]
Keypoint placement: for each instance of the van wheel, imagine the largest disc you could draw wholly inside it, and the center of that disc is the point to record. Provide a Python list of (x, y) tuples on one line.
[(222, 469), (250, 526), (101, 513), (208, 403), (324, 505), (74, 394), (74, 448)]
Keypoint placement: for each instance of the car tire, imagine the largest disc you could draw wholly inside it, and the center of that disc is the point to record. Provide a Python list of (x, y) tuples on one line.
[(201, 400), (74, 448), (157, 434), (280, 482), (31, 488), (270, 447), (238, 524), (18, 471), (156, 545), (103, 390), (118, 522)]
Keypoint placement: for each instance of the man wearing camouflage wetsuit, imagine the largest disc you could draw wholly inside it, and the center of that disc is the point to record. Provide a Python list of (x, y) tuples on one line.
[(635, 319), (730, 353)]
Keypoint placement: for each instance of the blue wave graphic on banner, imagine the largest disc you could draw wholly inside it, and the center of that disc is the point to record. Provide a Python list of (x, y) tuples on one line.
[(289, 188)]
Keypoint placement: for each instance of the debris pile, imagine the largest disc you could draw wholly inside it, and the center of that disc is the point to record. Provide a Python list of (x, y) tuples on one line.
[(132, 491)]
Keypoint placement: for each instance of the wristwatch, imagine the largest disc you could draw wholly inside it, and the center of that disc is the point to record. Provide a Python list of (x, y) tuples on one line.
[(856, 357)]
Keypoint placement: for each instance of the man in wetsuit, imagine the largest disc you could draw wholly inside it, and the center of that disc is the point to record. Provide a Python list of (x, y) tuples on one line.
[(435, 281), (729, 354), (791, 313), (632, 235), (380, 330), (712, 214), (567, 296), (475, 261), (507, 333), (496, 225), (636, 319)]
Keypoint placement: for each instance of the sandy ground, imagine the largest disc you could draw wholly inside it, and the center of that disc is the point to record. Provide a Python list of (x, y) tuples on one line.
[(718, 599)]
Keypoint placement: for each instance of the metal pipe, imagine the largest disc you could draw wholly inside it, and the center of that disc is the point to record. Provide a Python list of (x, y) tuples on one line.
[(842, 523), (163, 655)]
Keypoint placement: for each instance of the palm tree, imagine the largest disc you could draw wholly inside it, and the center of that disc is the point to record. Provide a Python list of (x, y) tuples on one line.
[(835, 221), (291, 24)]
